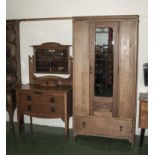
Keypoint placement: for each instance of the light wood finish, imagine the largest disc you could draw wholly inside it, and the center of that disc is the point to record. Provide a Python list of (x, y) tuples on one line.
[(102, 126), (81, 68), (105, 116), (103, 18), (127, 68)]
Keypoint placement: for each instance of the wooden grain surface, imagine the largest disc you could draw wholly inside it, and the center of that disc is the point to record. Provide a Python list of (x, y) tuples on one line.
[(81, 68)]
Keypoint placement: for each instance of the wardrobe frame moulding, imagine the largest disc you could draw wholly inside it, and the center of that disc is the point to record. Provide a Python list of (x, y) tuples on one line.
[(119, 121)]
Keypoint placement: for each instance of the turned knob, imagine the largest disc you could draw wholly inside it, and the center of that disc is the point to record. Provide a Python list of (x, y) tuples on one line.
[(29, 98), (52, 99)]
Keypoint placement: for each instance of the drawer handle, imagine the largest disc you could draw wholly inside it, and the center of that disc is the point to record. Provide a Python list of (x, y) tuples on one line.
[(39, 92), (52, 99), (53, 109), (29, 98), (84, 124), (29, 108), (121, 128)]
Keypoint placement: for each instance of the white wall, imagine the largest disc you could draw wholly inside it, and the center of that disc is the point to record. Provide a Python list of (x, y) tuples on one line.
[(38, 32)]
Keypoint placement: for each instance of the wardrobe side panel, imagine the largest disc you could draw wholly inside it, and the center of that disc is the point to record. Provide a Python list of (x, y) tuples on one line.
[(81, 67), (127, 68)]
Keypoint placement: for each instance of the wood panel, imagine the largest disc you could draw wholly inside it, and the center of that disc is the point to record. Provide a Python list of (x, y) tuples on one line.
[(81, 68), (110, 117), (143, 114), (127, 68), (103, 126), (49, 99), (115, 27)]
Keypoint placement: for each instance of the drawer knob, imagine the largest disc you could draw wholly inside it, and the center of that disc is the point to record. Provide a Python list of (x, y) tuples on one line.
[(29, 108), (83, 124), (53, 109), (29, 98), (52, 99), (121, 128)]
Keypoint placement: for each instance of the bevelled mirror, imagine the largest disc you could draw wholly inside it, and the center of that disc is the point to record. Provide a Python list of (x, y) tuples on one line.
[(103, 75)]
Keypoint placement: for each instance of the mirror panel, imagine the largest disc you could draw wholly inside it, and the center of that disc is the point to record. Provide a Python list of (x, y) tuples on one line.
[(103, 75)]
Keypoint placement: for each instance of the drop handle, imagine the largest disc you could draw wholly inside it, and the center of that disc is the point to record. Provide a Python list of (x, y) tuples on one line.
[(83, 124), (29, 108), (121, 128), (53, 109), (39, 92), (91, 70)]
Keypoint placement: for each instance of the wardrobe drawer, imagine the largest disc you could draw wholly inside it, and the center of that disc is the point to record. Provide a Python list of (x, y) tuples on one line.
[(102, 126)]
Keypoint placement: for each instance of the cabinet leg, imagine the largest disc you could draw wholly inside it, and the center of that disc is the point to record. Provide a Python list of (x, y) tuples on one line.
[(19, 123), (20, 118), (74, 136), (66, 116), (31, 124), (142, 136), (11, 113), (66, 126), (132, 140)]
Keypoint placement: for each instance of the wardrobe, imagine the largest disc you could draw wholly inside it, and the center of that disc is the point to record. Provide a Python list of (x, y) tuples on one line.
[(105, 76)]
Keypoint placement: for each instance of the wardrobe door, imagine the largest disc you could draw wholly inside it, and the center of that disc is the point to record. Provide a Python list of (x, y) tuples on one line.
[(104, 68), (127, 68), (81, 67)]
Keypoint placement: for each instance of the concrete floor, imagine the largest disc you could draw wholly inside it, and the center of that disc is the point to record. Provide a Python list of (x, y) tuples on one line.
[(50, 141)]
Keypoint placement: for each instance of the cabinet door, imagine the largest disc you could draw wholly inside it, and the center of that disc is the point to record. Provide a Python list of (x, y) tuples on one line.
[(127, 68), (81, 67)]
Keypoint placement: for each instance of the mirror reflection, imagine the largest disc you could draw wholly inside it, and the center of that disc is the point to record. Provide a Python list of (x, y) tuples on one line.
[(103, 78)]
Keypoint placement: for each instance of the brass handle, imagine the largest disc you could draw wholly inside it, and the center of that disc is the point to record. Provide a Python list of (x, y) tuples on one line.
[(91, 70), (52, 99), (29, 108), (84, 124), (121, 128), (29, 98), (53, 109), (39, 92)]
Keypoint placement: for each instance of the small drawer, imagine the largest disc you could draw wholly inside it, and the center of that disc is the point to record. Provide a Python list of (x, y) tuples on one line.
[(26, 96), (43, 109), (40, 98), (50, 99)]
